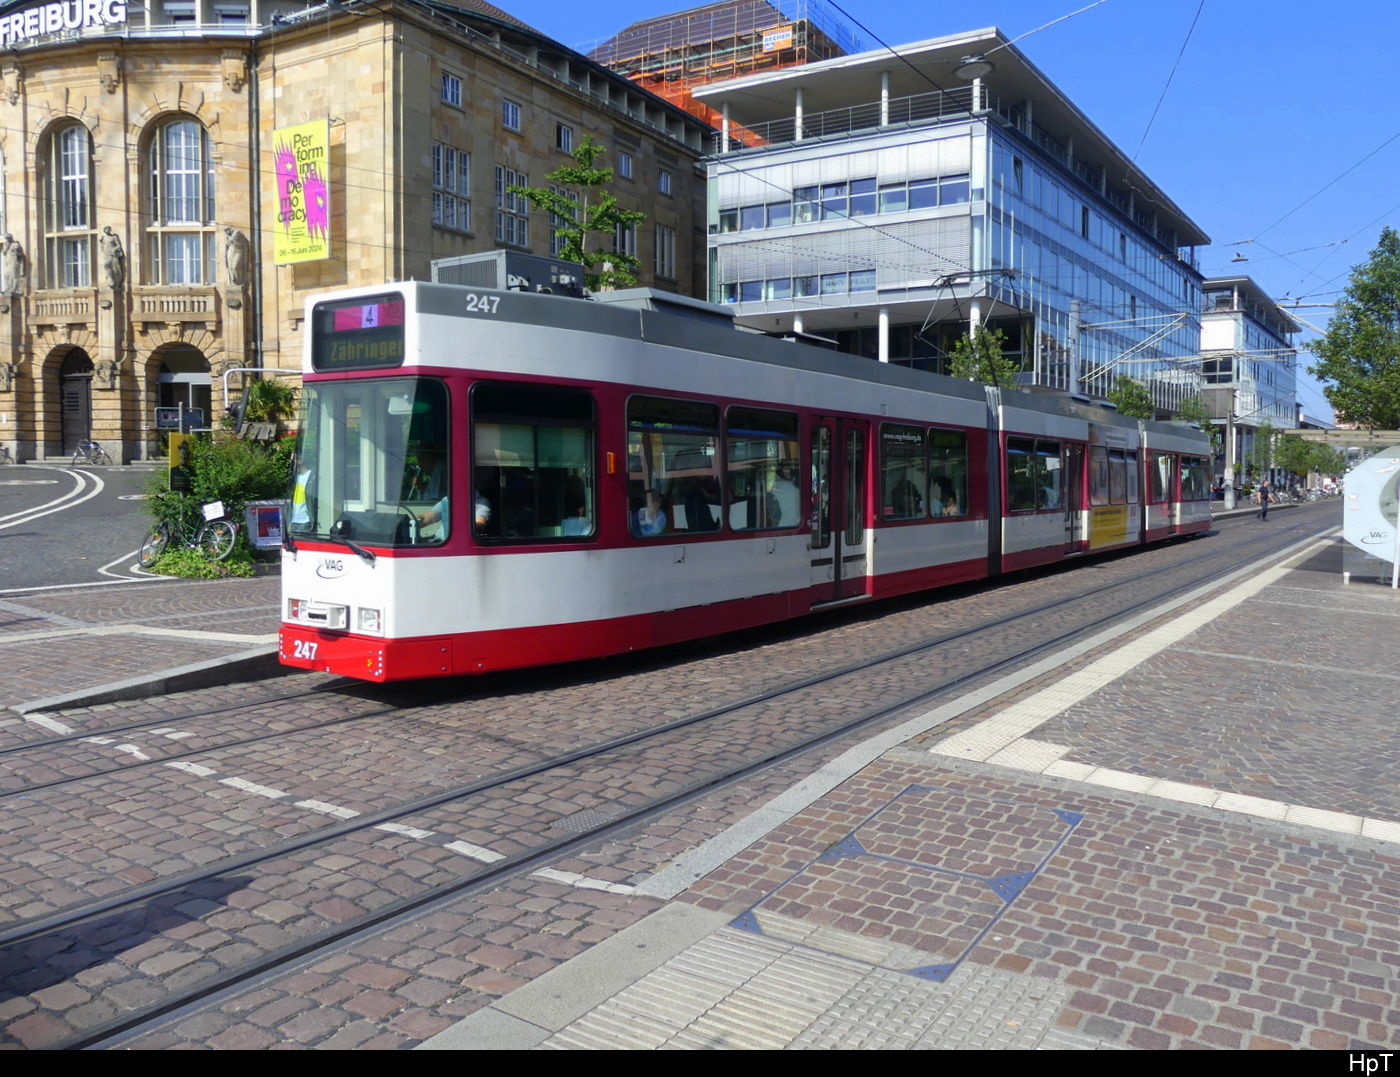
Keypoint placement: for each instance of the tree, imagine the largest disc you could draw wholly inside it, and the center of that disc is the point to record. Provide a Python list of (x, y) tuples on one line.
[(1304, 458), (1360, 352), (1194, 410), (1131, 398), (1261, 453), (979, 357), (584, 209)]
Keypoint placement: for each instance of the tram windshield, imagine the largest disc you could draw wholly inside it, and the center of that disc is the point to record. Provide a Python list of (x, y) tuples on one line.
[(373, 463)]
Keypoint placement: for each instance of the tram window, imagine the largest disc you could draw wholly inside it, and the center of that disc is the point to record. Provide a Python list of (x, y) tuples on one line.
[(821, 487), (1117, 477), (1133, 472), (374, 463), (903, 472), (673, 466), (762, 458), (1161, 477), (1098, 475), (1195, 486), (533, 462), (1020, 475), (1048, 474), (855, 488), (947, 471)]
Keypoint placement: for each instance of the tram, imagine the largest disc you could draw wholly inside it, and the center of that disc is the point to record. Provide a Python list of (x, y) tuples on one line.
[(491, 480)]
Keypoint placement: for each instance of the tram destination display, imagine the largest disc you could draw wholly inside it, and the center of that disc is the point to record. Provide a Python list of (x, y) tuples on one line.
[(361, 334)]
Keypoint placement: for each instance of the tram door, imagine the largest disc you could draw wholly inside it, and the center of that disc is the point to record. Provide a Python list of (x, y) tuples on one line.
[(1074, 498), (840, 509)]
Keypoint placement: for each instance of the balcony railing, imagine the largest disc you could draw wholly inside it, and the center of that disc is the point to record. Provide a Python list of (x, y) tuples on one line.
[(64, 306), (182, 303), (855, 119)]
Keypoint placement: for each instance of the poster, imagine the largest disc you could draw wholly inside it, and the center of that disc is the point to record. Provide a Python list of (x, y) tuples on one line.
[(301, 163)]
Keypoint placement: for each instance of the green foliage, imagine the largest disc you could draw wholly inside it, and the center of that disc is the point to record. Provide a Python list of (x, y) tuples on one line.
[(1302, 457), (585, 210), (1131, 398), (190, 564), (270, 401), (1360, 352), (235, 471), (1261, 454), (1194, 410), (224, 468), (979, 357)]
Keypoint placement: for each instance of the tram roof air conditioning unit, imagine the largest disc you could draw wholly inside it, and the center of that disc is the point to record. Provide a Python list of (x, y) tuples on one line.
[(511, 271)]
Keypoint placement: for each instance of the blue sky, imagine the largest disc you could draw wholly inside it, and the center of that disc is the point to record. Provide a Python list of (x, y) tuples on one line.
[(1270, 103)]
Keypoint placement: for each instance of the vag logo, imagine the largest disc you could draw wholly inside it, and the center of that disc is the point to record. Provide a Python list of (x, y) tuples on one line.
[(330, 568)]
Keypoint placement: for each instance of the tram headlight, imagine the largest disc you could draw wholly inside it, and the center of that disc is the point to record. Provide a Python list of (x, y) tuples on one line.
[(371, 620)]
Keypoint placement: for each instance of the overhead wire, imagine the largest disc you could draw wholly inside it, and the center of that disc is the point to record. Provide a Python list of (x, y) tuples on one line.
[(1170, 76)]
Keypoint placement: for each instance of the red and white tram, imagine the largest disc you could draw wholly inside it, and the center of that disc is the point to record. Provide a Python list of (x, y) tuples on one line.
[(491, 480)]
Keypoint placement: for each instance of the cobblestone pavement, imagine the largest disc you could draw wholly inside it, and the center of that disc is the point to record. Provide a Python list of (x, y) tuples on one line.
[(59, 642), (405, 984)]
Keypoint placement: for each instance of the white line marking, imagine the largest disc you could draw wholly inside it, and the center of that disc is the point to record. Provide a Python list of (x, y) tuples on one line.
[(124, 557), (476, 852), (583, 882), (97, 583), (35, 514), (407, 831), (328, 809), (255, 788), (193, 768), (53, 725), (24, 514), (130, 749)]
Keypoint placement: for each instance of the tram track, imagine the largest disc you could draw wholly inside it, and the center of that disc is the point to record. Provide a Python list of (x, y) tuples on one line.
[(104, 736), (619, 750)]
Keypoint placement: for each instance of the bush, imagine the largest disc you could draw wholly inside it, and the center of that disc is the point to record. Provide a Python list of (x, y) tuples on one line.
[(191, 564), (223, 468)]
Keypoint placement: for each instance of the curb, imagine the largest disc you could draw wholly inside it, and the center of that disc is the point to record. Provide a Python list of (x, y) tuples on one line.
[(259, 663)]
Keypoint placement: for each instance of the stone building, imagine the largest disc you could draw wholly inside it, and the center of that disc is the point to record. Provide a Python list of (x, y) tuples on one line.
[(148, 155)]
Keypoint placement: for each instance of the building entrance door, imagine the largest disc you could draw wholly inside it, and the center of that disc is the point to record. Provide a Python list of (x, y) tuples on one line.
[(75, 394)]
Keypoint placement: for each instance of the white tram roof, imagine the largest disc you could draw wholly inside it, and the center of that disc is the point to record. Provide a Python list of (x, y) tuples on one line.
[(684, 324)]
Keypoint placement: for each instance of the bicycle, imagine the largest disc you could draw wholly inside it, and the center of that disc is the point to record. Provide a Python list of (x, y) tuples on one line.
[(90, 452), (213, 537), (6, 457)]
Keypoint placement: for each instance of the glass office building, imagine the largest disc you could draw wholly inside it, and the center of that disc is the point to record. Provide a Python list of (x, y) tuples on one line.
[(887, 204)]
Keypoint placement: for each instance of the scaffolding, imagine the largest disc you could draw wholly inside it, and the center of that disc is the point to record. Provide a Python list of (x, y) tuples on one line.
[(671, 54)]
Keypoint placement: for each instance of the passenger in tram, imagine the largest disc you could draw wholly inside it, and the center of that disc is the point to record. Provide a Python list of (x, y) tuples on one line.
[(576, 520), (939, 494), (650, 520), (906, 501), (698, 514), (789, 499)]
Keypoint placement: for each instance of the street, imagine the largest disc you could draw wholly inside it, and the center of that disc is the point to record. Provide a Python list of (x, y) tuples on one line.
[(62, 526)]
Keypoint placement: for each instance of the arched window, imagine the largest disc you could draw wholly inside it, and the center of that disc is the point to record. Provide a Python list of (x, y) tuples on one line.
[(180, 230), (68, 229)]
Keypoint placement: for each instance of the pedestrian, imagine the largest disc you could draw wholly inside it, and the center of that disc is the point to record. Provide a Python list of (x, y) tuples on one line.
[(1264, 500)]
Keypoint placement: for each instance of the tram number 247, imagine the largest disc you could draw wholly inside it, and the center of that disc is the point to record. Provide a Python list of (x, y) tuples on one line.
[(304, 649), (482, 304)]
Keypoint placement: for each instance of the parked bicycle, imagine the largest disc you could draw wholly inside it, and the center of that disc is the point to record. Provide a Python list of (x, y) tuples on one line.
[(213, 536), (90, 452), (5, 455)]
